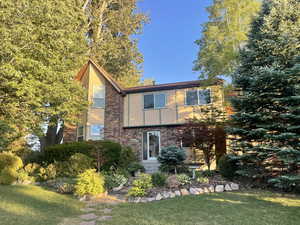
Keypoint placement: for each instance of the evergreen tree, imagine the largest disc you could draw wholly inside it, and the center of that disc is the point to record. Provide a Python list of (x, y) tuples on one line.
[(266, 123), (224, 35), (42, 45), (113, 24)]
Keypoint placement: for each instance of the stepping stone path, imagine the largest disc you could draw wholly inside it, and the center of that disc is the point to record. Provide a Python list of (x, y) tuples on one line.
[(88, 223), (89, 216), (103, 218)]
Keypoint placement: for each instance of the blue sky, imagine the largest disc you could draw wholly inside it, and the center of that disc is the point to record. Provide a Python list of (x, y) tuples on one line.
[(167, 42)]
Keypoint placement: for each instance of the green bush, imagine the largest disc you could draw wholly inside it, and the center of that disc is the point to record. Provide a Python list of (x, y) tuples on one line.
[(201, 178), (113, 180), (135, 167), (286, 183), (78, 163), (63, 152), (9, 164), (89, 182), (159, 179), (228, 166), (208, 173), (127, 157), (183, 179), (47, 173), (141, 186), (10, 161), (23, 177), (171, 157), (32, 169)]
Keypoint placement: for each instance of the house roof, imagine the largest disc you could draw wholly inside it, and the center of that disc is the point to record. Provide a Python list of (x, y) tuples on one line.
[(105, 74), (148, 88)]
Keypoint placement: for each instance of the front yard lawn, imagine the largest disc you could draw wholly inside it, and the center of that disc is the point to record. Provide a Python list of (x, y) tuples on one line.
[(234, 208), (32, 205)]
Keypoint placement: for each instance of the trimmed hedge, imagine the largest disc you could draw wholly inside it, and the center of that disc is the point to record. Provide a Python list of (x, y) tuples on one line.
[(228, 166)]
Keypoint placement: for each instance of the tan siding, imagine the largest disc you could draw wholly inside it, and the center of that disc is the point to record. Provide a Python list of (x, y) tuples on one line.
[(126, 113), (175, 112)]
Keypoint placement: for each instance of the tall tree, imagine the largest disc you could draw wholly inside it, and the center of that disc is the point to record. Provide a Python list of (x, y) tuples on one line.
[(42, 44), (224, 35), (267, 118), (113, 24)]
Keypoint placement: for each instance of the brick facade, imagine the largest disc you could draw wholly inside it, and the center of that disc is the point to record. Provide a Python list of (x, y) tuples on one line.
[(70, 133)]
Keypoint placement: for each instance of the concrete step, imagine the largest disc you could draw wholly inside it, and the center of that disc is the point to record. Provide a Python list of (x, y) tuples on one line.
[(151, 166)]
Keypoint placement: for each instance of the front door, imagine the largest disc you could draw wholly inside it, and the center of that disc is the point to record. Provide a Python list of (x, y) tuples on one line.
[(151, 145)]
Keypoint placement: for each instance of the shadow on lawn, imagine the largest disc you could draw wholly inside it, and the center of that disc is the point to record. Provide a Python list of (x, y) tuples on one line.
[(33, 205)]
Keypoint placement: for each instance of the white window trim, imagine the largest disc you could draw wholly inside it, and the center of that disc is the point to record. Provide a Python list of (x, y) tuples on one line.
[(198, 96), (166, 100), (98, 107), (159, 144)]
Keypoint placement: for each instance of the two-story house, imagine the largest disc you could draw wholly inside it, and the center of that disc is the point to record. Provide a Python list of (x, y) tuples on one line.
[(145, 118)]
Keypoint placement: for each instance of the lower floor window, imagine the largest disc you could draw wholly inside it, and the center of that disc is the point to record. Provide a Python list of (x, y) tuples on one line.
[(97, 132), (80, 133), (151, 145)]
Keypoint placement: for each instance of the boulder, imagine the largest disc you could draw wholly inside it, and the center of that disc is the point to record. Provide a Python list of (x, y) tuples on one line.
[(234, 186), (211, 188), (158, 197), (228, 188), (200, 190), (205, 190), (184, 191), (193, 191), (172, 182), (137, 200), (172, 194), (150, 199), (177, 193), (166, 194), (219, 188)]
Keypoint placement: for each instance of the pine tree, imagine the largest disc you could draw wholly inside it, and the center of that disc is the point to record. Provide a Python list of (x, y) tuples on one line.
[(224, 35), (42, 45), (266, 123), (113, 27)]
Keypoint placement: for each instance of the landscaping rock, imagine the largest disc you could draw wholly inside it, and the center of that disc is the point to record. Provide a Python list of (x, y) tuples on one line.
[(116, 189), (219, 188), (158, 197), (83, 198), (88, 223), (211, 188), (205, 190), (184, 192), (200, 190), (137, 200), (150, 199), (234, 186), (103, 218), (166, 194), (193, 191), (172, 194), (177, 193), (228, 188), (144, 200), (172, 182), (87, 210), (90, 216), (106, 210)]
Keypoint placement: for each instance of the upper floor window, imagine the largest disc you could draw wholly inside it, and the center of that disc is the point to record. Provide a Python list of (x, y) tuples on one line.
[(155, 101), (97, 132), (99, 96), (198, 97)]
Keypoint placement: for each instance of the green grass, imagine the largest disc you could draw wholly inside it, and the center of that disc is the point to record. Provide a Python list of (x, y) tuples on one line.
[(32, 205), (235, 208)]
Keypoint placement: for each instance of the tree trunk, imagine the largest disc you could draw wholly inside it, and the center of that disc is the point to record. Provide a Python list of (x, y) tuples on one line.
[(53, 135)]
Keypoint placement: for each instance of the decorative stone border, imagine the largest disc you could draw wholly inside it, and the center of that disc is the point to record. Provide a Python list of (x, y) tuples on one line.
[(191, 191)]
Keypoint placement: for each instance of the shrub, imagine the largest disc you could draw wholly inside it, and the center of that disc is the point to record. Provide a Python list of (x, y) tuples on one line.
[(78, 163), (9, 164), (127, 157), (286, 183), (113, 180), (228, 166), (89, 182), (208, 173), (159, 179), (200, 178), (141, 185), (171, 157), (63, 152), (183, 179), (65, 188), (23, 177), (47, 173), (135, 167), (32, 169), (10, 161)]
